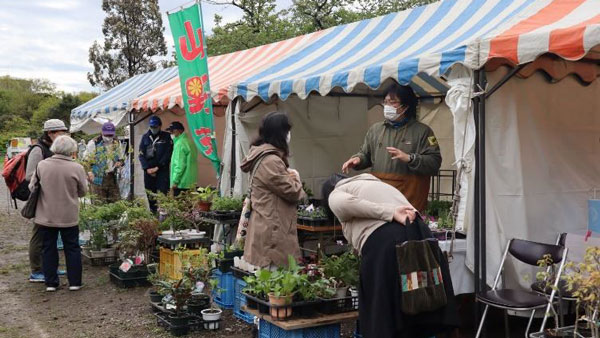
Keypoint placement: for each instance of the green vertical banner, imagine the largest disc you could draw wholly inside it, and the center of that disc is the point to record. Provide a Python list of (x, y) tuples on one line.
[(188, 33)]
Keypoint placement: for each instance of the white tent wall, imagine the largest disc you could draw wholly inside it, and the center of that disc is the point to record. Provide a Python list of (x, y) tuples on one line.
[(326, 131), (206, 173), (542, 162)]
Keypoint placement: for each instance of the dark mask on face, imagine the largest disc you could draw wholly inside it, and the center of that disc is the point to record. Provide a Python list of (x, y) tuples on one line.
[(155, 130)]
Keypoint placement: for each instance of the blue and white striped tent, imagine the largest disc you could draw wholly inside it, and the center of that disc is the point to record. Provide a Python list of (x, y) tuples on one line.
[(114, 104), (418, 46)]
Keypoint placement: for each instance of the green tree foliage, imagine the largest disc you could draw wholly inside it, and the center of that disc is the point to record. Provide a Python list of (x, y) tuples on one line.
[(263, 23), (26, 103), (133, 39)]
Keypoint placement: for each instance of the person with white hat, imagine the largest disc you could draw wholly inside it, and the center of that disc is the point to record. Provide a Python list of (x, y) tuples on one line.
[(53, 128)]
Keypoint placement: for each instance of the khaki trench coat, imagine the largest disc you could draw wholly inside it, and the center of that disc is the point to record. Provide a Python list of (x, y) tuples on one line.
[(272, 233)]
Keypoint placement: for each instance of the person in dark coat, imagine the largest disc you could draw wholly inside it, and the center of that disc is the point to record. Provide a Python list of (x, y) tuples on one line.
[(156, 148), (374, 219)]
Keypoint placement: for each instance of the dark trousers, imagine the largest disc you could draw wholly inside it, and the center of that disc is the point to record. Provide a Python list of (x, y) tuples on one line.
[(70, 238), (178, 191), (158, 183), (380, 294), (35, 249), (108, 191)]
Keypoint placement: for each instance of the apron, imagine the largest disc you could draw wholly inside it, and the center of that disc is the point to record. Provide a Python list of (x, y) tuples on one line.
[(414, 187)]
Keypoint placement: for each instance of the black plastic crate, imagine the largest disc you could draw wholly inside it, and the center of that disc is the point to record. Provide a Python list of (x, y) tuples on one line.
[(299, 309), (239, 273), (339, 305), (136, 271), (98, 261), (128, 282), (195, 324), (225, 265)]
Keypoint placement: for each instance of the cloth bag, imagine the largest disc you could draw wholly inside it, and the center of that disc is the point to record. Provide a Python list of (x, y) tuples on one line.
[(244, 222), (28, 210), (420, 275)]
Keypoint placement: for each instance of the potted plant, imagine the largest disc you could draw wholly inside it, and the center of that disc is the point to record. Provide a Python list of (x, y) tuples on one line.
[(203, 198), (181, 291), (545, 284), (227, 207), (583, 281), (343, 270), (199, 270), (154, 278), (212, 315)]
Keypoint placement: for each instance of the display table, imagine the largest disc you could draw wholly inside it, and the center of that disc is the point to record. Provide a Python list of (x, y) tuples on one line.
[(322, 234), (303, 323), (462, 277)]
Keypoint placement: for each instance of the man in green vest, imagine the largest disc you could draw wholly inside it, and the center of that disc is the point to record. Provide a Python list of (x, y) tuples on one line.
[(183, 161)]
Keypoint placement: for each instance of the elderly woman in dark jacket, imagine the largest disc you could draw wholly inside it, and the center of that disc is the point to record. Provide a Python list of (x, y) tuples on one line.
[(62, 182)]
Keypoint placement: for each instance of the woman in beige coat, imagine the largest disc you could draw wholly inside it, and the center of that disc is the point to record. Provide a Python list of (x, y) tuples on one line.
[(62, 182), (275, 192)]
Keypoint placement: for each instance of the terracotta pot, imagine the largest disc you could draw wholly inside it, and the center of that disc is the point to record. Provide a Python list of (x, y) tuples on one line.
[(279, 311), (203, 206)]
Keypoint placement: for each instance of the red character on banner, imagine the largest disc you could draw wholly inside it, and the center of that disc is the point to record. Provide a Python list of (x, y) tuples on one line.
[(197, 97), (205, 135), (191, 54)]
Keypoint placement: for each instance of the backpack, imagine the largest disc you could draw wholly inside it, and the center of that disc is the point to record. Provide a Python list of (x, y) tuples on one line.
[(14, 172)]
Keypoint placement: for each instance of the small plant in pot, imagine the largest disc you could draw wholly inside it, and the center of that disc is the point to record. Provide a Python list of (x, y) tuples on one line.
[(343, 270), (181, 291), (212, 315), (226, 207), (282, 291), (203, 198), (154, 278), (545, 283), (583, 281)]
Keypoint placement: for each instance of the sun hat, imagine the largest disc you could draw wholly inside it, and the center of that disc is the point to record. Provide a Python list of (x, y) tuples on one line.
[(54, 125)]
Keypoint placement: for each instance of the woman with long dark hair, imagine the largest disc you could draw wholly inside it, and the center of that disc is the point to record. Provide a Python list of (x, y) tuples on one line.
[(275, 190)]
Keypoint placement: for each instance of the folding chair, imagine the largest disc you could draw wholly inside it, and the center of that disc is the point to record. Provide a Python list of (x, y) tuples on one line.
[(529, 253)]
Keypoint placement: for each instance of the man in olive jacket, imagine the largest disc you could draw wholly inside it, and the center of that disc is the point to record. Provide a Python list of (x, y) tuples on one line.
[(184, 169), (400, 151)]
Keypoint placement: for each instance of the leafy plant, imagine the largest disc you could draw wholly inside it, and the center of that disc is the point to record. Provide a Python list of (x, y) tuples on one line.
[(181, 290), (546, 279), (342, 270), (436, 207), (204, 194), (227, 204), (583, 281)]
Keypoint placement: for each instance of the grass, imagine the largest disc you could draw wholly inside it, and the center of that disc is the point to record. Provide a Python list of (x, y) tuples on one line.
[(10, 332), (19, 267)]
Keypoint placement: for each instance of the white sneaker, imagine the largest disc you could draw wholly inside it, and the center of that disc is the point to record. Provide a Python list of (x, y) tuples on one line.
[(75, 288), (51, 289)]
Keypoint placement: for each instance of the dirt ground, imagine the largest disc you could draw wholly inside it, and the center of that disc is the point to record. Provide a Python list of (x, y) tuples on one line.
[(98, 310)]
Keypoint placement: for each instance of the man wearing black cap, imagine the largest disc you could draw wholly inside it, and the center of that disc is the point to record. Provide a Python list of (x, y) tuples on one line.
[(184, 169), (156, 148)]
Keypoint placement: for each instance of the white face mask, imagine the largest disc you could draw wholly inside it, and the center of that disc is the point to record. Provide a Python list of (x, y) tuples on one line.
[(390, 114), (288, 138), (107, 139)]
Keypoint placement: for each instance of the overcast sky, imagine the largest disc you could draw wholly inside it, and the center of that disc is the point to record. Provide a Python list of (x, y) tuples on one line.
[(50, 38)]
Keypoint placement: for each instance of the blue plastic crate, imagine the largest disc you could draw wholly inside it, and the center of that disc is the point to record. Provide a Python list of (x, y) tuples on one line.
[(239, 301), (225, 298), (268, 330)]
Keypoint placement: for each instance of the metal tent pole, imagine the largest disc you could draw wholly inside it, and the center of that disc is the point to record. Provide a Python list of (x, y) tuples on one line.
[(232, 167)]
